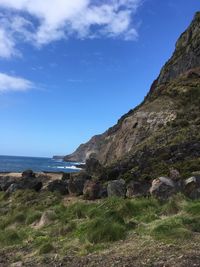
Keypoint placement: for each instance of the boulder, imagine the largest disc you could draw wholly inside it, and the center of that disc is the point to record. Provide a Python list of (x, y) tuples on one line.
[(192, 187), (116, 188), (6, 181), (31, 183), (103, 192), (137, 189), (196, 174), (28, 174), (76, 183), (162, 188), (25, 183), (91, 190), (13, 188), (58, 186)]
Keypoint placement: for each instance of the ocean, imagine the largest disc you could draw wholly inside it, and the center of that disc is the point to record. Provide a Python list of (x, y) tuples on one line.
[(19, 164)]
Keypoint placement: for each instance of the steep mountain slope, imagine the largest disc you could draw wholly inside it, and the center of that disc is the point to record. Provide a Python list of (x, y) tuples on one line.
[(169, 116)]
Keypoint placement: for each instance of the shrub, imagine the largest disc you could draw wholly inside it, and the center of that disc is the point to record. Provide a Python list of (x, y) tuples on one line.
[(45, 248), (19, 217), (9, 237), (193, 208), (173, 205), (102, 230), (192, 223)]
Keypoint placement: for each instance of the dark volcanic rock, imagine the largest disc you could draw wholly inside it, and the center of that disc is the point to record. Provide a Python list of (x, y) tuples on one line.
[(28, 174), (5, 182), (91, 190), (76, 183), (162, 188), (192, 187), (13, 188), (137, 189), (58, 186), (26, 183), (116, 188)]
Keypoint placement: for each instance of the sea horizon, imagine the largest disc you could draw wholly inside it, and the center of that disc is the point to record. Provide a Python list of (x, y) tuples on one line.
[(19, 164)]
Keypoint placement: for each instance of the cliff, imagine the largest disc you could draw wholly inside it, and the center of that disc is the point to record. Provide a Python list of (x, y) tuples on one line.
[(168, 116)]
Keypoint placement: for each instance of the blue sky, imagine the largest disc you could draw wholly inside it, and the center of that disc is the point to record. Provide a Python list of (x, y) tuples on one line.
[(72, 70)]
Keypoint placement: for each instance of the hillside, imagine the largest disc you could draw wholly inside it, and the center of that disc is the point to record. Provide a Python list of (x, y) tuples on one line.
[(167, 123)]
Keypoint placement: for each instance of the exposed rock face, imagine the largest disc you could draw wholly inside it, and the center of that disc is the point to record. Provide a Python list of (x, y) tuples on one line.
[(186, 55), (168, 116)]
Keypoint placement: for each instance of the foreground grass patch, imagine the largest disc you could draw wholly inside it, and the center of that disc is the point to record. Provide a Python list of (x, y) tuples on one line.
[(170, 229), (87, 227)]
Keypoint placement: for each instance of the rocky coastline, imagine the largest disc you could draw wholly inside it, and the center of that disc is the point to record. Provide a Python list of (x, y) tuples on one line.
[(87, 184)]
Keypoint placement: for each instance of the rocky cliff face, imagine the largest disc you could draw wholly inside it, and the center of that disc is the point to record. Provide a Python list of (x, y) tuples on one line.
[(186, 55), (169, 115)]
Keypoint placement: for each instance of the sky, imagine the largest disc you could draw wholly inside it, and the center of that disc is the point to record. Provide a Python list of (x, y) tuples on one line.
[(70, 69)]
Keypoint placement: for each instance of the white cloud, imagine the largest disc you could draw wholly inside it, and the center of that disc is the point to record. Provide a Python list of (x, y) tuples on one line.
[(13, 83), (59, 19), (7, 45)]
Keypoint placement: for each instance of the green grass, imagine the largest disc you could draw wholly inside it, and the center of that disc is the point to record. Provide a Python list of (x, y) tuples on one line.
[(45, 248), (193, 207), (9, 237), (86, 227), (170, 229)]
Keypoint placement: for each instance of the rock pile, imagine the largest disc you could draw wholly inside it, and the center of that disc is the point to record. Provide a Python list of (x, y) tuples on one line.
[(91, 188)]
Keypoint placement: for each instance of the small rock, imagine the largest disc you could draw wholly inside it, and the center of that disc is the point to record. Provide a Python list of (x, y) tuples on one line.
[(17, 264), (46, 219), (174, 174)]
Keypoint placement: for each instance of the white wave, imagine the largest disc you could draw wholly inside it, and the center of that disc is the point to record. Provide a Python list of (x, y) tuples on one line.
[(79, 163), (68, 167)]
